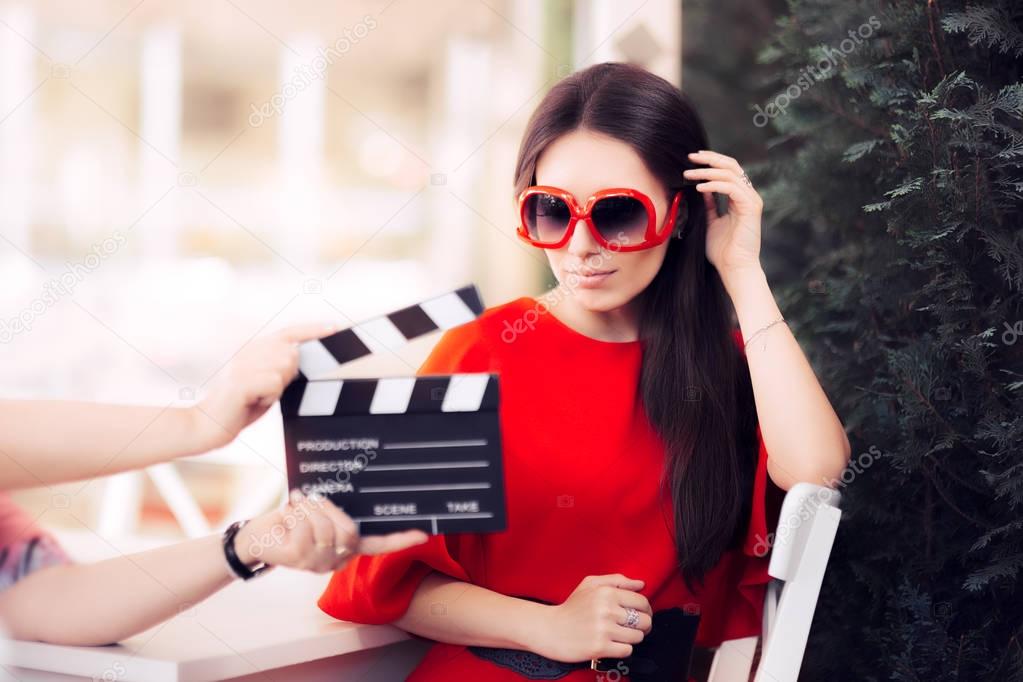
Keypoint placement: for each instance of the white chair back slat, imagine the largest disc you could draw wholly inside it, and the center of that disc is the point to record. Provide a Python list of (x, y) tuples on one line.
[(733, 660), (770, 608), (806, 531), (782, 651), (801, 504)]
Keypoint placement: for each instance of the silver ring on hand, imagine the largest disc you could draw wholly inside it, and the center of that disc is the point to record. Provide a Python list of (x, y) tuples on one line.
[(631, 617)]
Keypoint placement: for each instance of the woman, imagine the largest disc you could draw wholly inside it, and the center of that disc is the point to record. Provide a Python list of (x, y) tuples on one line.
[(636, 421), (44, 596)]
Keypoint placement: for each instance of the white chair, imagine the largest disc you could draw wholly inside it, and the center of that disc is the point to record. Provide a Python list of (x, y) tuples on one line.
[(806, 531)]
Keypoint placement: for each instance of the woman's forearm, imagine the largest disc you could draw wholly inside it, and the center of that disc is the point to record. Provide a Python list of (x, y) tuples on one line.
[(445, 609), (52, 441), (802, 434), (105, 602)]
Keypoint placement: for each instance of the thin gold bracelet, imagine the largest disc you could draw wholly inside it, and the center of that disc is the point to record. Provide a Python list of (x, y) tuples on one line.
[(761, 331)]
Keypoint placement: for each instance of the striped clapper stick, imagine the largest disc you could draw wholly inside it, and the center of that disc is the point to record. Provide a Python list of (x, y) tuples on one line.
[(398, 452)]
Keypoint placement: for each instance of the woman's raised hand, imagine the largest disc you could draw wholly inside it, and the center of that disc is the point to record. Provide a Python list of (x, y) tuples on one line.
[(733, 239)]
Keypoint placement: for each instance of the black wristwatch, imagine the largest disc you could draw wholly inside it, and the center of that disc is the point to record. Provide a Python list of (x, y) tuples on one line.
[(238, 567)]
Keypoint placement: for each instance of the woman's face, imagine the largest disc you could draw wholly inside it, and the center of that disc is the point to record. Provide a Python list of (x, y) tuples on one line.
[(582, 162)]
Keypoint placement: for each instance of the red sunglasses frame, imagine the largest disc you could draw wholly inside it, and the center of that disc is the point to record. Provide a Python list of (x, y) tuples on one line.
[(650, 238)]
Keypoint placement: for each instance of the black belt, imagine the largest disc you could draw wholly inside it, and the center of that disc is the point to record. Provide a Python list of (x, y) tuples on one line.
[(663, 654)]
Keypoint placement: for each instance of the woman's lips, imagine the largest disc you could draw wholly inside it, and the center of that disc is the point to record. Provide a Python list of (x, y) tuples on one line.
[(589, 279)]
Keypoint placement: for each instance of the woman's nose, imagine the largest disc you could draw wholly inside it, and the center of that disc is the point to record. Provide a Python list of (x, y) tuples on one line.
[(582, 243)]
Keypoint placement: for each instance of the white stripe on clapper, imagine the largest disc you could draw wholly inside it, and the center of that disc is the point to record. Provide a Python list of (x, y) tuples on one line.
[(380, 334), (448, 311), (319, 398), (315, 360), (392, 395), (465, 393)]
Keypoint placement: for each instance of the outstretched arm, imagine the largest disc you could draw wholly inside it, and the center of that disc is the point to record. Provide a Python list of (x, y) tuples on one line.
[(44, 441), (86, 604), (52, 441)]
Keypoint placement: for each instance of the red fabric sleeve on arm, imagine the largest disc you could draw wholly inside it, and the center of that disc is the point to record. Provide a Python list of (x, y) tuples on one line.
[(379, 589)]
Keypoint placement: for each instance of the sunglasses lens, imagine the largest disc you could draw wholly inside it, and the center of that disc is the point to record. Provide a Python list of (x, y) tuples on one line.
[(621, 220), (546, 217)]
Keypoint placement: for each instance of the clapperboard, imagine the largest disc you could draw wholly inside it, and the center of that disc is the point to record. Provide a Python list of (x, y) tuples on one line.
[(398, 452)]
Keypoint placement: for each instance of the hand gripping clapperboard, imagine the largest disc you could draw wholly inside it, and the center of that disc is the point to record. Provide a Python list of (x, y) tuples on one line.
[(399, 452)]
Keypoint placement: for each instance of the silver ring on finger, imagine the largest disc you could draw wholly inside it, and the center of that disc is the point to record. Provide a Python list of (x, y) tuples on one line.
[(631, 617), (745, 178)]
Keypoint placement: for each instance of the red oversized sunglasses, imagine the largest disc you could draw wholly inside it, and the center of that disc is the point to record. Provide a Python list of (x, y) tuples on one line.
[(620, 219)]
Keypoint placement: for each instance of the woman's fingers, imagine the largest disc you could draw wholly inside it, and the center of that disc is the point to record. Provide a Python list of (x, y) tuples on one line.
[(346, 533), (713, 174), (730, 188), (306, 332), (278, 353), (625, 635), (343, 523), (724, 175), (323, 555), (643, 624), (634, 600), (717, 160), (298, 539), (380, 544), (615, 580), (286, 342), (318, 529), (264, 387)]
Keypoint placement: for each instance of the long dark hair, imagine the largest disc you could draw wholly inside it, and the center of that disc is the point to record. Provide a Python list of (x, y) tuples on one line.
[(695, 383)]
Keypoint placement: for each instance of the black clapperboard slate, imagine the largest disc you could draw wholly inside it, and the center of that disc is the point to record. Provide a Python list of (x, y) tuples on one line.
[(399, 452)]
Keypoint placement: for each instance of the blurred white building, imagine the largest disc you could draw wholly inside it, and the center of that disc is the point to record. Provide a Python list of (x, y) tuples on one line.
[(177, 177)]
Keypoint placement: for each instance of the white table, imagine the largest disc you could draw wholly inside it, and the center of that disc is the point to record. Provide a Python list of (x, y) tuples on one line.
[(269, 629)]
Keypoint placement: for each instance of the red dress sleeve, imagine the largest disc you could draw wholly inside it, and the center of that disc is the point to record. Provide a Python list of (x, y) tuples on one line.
[(733, 598), (379, 589)]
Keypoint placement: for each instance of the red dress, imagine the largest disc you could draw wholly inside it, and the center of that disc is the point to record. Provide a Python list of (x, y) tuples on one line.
[(582, 468)]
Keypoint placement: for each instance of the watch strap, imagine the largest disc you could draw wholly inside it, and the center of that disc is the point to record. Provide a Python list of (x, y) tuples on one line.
[(237, 566)]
